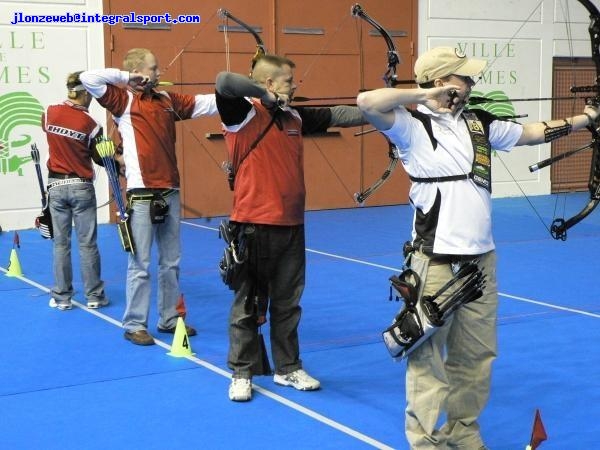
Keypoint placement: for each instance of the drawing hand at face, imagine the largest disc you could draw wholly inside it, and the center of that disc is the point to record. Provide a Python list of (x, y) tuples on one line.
[(138, 81), (142, 82), (444, 99)]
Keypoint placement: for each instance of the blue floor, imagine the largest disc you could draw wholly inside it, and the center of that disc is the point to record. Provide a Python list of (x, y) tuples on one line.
[(70, 381)]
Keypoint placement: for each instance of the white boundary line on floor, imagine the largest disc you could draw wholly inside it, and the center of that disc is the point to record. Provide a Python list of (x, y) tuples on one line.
[(278, 398), (293, 405), (397, 269), (514, 297)]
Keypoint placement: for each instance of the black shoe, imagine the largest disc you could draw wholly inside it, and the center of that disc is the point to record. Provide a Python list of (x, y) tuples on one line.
[(140, 337), (189, 330)]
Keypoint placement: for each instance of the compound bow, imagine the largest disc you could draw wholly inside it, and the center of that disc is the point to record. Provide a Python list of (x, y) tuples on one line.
[(559, 226), (391, 79)]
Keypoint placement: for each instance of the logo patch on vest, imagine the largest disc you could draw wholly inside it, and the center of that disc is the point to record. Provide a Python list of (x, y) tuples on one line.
[(482, 164)]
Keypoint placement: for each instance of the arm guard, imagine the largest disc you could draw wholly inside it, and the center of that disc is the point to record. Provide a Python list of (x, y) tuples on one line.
[(552, 133)]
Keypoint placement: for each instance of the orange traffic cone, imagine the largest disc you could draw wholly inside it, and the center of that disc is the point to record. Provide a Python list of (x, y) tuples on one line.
[(181, 307)]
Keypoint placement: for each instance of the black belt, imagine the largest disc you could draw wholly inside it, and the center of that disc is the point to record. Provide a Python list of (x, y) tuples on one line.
[(436, 259), (464, 176), (67, 176)]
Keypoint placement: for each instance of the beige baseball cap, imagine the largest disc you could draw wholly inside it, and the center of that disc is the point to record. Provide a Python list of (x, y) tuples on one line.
[(440, 62)]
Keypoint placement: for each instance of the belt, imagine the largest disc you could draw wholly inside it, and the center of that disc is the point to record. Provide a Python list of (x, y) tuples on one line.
[(138, 194), (438, 259), (68, 176), (68, 181)]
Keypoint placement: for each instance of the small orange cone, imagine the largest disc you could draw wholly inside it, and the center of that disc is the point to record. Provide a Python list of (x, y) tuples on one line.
[(181, 307), (14, 266), (181, 346)]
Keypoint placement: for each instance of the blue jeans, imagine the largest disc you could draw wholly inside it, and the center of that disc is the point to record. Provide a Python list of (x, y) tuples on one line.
[(278, 255), (138, 270), (75, 203)]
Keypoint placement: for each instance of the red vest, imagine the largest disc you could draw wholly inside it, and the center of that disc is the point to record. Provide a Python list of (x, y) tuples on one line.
[(269, 184)]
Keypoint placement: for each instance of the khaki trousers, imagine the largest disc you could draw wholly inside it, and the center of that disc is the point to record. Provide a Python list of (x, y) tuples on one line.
[(448, 376)]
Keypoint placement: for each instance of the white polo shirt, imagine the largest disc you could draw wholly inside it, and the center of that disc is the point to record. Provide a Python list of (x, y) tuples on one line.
[(464, 222)]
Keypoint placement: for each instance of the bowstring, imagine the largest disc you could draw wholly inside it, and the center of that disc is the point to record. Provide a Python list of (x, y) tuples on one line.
[(180, 120), (566, 11), (227, 43), (525, 22), (514, 35), (568, 30), (322, 50), (358, 27), (201, 28)]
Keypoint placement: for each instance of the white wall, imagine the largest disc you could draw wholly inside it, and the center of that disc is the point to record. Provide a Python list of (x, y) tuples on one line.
[(35, 58), (519, 38)]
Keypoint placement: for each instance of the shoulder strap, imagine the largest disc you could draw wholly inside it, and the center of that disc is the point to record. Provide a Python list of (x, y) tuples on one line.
[(258, 139), (233, 170)]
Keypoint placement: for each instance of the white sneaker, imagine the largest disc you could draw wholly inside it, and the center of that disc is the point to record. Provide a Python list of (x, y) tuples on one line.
[(63, 306), (95, 304), (240, 389), (298, 379)]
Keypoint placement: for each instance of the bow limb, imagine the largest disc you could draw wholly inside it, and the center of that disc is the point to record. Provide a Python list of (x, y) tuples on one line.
[(390, 76), (559, 227), (260, 45), (391, 79)]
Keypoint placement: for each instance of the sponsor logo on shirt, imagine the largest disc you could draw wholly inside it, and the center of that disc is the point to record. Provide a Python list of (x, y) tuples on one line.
[(73, 134)]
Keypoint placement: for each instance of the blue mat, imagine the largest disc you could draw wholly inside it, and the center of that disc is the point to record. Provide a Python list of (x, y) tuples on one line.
[(70, 380)]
